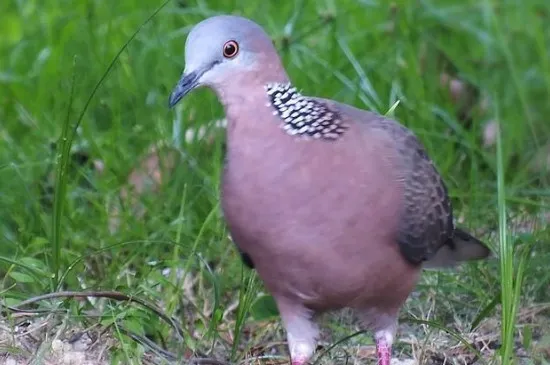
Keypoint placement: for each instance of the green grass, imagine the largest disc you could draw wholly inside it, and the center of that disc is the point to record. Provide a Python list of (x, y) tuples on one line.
[(78, 85)]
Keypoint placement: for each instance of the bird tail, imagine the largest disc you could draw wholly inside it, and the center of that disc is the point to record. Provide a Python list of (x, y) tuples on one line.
[(462, 247)]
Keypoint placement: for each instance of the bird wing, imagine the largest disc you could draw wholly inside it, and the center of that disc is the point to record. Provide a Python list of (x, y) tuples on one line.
[(426, 221)]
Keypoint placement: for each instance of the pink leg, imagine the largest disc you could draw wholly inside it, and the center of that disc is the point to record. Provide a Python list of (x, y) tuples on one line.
[(301, 331), (299, 360), (383, 350)]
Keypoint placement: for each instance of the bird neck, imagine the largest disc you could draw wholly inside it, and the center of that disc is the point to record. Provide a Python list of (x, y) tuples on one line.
[(280, 105), (243, 91), (250, 82)]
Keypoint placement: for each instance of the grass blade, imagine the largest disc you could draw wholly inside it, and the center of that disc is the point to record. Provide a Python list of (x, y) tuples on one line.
[(506, 261), (62, 161)]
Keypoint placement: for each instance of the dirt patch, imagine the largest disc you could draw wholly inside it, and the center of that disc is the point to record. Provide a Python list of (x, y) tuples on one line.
[(51, 340)]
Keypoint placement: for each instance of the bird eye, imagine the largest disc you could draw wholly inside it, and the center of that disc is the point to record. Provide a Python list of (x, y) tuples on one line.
[(230, 49)]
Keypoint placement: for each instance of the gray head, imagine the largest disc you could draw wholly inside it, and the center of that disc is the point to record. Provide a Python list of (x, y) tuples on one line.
[(221, 47)]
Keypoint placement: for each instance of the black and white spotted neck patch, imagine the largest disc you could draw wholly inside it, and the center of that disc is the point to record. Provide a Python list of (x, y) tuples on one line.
[(303, 116)]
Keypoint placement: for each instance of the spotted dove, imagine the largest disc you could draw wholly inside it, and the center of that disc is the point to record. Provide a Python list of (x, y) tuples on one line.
[(334, 206)]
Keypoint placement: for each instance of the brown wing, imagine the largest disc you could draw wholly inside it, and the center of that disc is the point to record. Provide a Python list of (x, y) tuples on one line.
[(426, 223)]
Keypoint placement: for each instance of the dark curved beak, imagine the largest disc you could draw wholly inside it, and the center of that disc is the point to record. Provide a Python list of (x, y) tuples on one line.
[(187, 83)]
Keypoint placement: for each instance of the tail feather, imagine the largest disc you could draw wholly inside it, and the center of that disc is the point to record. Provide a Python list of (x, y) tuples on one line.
[(462, 247)]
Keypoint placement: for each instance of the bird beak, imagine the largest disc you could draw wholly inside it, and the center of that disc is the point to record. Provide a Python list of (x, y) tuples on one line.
[(188, 82)]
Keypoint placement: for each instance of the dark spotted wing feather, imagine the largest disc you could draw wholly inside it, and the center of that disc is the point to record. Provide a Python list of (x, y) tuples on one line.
[(427, 220)]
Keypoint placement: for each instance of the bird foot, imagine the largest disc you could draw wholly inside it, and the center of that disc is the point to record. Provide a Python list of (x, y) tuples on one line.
[(299, 362), (383, 350)]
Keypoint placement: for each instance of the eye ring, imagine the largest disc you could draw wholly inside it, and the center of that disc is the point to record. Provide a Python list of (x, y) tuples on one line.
[(230, 49)]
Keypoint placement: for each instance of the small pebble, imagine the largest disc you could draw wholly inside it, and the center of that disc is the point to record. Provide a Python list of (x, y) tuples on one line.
[(57, 345)]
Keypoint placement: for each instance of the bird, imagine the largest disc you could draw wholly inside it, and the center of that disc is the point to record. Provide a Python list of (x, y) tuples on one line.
[(333, 206)]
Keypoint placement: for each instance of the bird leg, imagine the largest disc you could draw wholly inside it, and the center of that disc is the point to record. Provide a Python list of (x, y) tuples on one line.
[(384, 340), (383, 351), (383, 322), (301, 331), (301, 350), (302, 337)]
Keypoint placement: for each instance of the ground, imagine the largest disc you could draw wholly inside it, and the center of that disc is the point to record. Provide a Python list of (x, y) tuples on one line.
[(106, 191)]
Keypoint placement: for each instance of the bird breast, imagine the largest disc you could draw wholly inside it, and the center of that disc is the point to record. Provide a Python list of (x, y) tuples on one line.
[(318, 218)]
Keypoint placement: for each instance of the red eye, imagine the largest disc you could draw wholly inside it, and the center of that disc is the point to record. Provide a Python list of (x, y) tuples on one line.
[(230, 49)]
